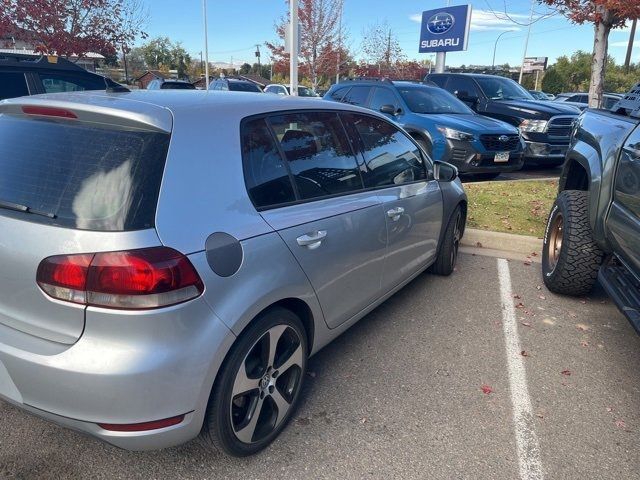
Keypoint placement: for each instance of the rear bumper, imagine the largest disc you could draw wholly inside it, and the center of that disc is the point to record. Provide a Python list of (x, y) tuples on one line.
[(127, 368)]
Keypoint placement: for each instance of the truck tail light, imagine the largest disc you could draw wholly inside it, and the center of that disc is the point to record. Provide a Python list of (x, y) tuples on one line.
[(133, 280)]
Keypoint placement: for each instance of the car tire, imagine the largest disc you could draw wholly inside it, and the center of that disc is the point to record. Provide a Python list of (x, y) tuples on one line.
[(570, 256), (242, 422), (448, 252)]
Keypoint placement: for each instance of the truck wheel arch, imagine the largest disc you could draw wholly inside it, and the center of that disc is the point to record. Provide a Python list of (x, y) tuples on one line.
[(575, 177)]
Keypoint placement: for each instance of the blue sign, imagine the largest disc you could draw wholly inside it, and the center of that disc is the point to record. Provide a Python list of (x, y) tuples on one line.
[(445, 29)]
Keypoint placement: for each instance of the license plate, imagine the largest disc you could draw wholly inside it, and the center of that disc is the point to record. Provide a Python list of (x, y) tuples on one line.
[(501, 157)]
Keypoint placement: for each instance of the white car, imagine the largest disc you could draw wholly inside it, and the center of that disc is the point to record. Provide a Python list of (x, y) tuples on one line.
[(283, 90)]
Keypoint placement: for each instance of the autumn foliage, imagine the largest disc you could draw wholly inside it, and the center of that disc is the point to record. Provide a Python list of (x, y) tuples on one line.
[(613, 12), (71, 27)]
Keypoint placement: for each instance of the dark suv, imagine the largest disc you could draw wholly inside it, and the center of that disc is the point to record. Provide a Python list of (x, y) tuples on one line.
[(234, 85), (546, 126), (445, 127), (22, 75)]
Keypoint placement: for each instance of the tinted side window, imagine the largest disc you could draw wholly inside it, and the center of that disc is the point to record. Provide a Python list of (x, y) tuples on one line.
[(13, 85), (54, 83), (339, 93), (382, 96), (357, 96), (627, 183), (462, 84), (265, 173), (609, 102), (390, 157), (318, 153), (439, 80)]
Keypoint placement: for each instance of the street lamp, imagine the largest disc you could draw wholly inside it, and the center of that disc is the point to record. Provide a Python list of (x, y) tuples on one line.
[(495, 45)]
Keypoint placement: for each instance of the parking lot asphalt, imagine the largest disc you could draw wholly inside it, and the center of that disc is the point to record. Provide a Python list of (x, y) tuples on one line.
[(420, 388)]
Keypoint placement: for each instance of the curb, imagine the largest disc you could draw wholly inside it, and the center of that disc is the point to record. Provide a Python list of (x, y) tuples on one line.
[(507, 242)]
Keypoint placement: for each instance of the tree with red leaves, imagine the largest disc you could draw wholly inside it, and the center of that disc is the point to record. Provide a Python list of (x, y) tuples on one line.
[(321, 40), (605, 15), (74, 27)]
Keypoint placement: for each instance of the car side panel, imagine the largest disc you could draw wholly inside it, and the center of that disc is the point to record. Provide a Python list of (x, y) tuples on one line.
[(268, 273), (345, 269)]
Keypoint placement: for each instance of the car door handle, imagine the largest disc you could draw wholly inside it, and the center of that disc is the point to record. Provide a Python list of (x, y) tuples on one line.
[(312, 240), (395, 213)]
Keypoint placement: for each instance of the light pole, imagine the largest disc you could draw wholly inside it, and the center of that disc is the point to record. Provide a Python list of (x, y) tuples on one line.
[(293, 55), (495, 45), (206, 44), (526, 44)]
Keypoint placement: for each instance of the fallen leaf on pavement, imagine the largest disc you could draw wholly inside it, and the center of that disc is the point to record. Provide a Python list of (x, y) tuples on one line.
[(363, 420), (526, 324), (527, 263), (486, 389), (621, 424), (609, 409), (534, 254), (524, 353), (582, 327), (566, 372), (584, 344), (517, 296), (542, 297), (539, 415), (538, 287), (520, 305), (478, 244)]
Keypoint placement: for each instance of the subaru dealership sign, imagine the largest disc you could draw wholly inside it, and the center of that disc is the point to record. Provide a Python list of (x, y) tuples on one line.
[(445, 29)]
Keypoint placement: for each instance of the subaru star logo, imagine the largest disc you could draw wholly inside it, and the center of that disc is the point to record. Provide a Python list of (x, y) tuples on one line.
[(440, 23), (503, 138)]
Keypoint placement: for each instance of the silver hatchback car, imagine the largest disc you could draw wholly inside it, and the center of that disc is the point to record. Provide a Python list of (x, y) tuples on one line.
[(170, 260)]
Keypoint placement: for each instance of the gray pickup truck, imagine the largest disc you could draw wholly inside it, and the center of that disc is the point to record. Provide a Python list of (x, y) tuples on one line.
[(593, 230)]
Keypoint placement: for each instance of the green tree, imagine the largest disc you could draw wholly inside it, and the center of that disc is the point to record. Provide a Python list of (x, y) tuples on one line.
[(245, 68), (162, 54), (552, 82)]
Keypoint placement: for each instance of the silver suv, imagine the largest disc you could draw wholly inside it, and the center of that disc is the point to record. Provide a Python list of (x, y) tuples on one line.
[(170, 260)]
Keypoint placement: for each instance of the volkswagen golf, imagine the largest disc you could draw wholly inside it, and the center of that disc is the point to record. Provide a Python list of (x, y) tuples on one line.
[(170, 260)]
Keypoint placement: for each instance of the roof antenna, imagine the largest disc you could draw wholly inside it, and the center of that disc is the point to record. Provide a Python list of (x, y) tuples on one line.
[(113, 87)]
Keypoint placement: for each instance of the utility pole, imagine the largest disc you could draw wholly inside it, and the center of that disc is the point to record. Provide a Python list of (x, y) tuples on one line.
[(206, 44), (627, 60), (388, 54), (258, 55), (526, 44), (126, 69), (201, 63), (293, 55)]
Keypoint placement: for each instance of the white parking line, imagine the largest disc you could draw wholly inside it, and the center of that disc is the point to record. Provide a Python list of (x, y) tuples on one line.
[(526, 439)]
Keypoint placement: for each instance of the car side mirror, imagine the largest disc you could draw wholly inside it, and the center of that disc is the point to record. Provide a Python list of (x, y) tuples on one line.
[(390, 109), (444, 172)]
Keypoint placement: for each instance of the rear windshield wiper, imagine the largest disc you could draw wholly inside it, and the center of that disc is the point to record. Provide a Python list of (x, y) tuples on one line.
[(24, 208)]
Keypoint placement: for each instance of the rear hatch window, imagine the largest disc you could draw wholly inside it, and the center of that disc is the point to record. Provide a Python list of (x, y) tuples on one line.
[(86, 176)]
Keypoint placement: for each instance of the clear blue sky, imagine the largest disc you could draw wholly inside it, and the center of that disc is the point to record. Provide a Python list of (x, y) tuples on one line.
[(236, 26)]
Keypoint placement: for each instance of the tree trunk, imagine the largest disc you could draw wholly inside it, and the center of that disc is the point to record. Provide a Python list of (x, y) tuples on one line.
[(599, 59)]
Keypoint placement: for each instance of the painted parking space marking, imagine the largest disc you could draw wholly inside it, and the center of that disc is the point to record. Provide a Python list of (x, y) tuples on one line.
[(529, 461)]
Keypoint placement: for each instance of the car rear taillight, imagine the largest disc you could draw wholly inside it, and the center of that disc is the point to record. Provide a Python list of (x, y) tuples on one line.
[(48, 112), (135, 279)]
